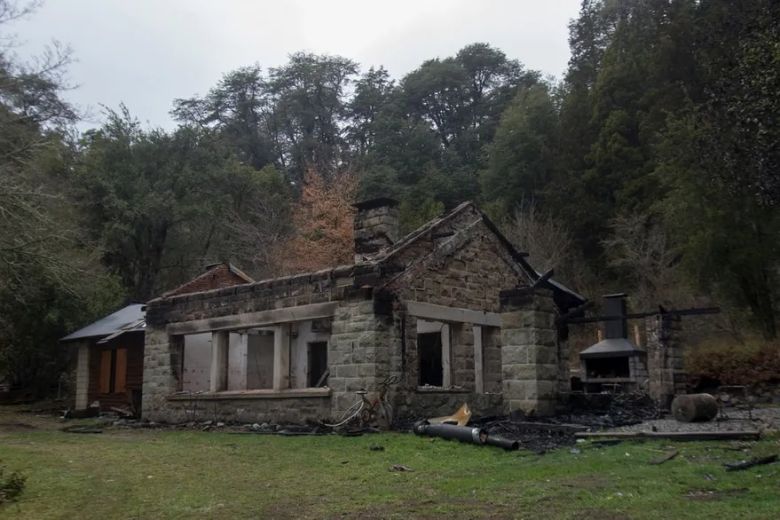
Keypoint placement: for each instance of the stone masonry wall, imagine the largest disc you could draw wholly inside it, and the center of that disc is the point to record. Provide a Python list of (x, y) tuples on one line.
[(564, 372), (462, 339), (160, 360), (288, 410), (409, 402), (375, 228), (529, 352), (359, 350), (290, 291), (491, 359), (470, 278), (665, 365), (218, 277)]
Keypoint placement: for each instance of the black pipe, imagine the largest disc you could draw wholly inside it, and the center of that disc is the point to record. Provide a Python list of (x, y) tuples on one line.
[(502, 442), (451, 431)]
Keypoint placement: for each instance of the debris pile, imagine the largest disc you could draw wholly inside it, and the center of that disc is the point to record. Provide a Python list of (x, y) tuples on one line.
[(536, 436), (610, 410), (585, 413)]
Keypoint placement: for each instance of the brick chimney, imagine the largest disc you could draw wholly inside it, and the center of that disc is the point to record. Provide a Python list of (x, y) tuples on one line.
[(376, 226)]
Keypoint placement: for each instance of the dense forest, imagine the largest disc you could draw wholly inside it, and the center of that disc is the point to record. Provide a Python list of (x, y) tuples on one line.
[(651, 167)]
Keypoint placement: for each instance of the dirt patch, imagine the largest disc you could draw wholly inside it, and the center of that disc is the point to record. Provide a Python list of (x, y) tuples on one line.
[(9, 427)]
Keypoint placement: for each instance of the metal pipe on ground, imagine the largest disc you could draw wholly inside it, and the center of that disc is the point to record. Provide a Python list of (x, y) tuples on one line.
[(501, 442), (468, 434), (451, 431)]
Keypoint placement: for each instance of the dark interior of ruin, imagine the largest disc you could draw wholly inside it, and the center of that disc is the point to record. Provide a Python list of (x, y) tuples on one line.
[(429, 352), (608, 368)]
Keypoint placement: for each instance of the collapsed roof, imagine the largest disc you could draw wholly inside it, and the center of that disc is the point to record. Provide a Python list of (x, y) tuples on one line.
[(438, 237)]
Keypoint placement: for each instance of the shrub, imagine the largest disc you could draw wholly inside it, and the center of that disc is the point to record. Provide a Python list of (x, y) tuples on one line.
[(11, 486), (735, 364)]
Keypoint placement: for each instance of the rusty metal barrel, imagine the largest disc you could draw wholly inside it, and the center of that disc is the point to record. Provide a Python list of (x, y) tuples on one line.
[(694, 407)]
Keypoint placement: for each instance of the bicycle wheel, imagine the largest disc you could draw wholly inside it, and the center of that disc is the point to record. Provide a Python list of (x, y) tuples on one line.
[(351, 413)]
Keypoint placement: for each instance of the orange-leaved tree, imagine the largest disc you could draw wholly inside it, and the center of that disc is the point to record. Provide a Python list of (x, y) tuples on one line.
[(322, 220)]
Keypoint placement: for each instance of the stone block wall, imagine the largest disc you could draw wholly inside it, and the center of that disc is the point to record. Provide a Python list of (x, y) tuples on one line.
[(276, 410), (80, 375), (411, 402), (529, 353), (289, 291), (462, 367), (359, 350), (375, 226), (217, 277), (665, 365), (491, 359), (160, 373), (422, 404), (564, 369), (471, 278)]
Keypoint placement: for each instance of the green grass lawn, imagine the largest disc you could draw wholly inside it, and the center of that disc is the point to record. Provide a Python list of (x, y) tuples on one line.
[(173, 474)]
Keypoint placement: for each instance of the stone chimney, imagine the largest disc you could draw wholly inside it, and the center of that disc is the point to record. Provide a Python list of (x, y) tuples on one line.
[(376, 226)]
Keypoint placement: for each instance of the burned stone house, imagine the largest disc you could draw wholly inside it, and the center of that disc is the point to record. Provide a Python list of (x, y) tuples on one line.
[(452, 310)]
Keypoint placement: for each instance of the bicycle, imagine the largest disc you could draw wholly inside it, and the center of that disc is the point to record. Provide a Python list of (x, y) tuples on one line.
[(367, 411)]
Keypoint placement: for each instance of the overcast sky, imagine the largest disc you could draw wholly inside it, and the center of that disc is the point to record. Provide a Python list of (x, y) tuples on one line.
[(145, 53)]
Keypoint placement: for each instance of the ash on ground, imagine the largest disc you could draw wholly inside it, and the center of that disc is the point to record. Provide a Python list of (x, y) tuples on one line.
[(729, 419), (589, 412)]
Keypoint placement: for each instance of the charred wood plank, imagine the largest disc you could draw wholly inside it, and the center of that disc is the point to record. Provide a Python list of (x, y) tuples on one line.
[(637, 315), (664, 458), (673, 436), (747, 464)]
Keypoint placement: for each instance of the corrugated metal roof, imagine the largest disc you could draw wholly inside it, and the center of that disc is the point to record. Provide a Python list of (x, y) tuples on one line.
[(125, 318)]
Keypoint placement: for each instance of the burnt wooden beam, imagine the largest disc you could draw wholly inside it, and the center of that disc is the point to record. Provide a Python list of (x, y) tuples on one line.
[(637, 315), (573, 313), (542, 278), (746, 464), (674, 436)]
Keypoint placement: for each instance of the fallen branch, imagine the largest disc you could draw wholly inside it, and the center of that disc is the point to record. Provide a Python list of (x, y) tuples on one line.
[(665, 457), (746, 464), (82, 429)]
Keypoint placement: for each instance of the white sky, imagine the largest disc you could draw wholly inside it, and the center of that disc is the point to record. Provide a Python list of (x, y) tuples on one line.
[(145, 53)]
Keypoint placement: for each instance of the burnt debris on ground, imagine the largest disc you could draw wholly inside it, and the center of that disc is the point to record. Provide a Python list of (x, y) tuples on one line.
[(621, 412), (585, 412)]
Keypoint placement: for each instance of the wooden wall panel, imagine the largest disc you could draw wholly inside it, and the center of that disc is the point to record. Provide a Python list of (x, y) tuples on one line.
[(105, 372), (120, 379)]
